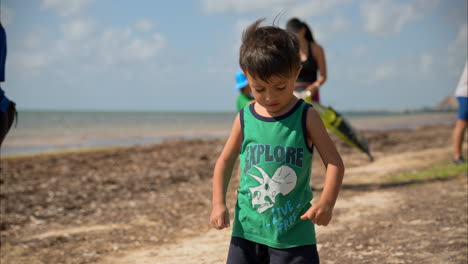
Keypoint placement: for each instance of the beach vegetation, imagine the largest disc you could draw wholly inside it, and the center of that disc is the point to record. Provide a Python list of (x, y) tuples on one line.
[(440, 171)]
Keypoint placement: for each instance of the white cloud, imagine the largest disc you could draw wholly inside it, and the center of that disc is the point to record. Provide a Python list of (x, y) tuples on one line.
[(385, 17), (339, 24), (456, 50), (425, 63), (115, 46), (90, 47), (458, 46), (29, 51), (302, 9), (243, 6), (359, 51), (27, 59), (6, 15), (327, 31), (78, 29), (65, 7), (382, 72), (34, 39), (144, 25), (143, 49), (314, 8)]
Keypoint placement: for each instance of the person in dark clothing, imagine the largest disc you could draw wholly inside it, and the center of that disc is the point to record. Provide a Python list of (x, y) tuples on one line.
[(7, 107), (314, 67)]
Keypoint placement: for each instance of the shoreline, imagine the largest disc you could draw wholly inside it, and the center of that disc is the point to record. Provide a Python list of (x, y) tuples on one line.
[(18, 144), (24, 141), (61, 152), (97, 143)]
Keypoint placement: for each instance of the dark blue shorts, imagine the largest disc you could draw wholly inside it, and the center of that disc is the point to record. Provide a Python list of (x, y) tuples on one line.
[(462, 108), (242, 251)]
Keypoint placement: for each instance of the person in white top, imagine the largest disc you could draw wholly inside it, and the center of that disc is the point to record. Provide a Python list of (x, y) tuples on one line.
[(461, 93)]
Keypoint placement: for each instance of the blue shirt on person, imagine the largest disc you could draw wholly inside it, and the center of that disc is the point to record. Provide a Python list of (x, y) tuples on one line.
[(4, 102)]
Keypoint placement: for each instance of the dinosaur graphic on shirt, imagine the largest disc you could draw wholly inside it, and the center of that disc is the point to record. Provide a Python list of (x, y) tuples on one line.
[(264, 195)]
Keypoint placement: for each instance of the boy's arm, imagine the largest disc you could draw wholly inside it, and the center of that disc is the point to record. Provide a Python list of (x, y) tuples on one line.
[(222, 174), (321, 212)]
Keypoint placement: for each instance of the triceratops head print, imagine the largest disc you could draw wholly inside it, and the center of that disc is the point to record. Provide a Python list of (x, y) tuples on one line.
[(283, 181)]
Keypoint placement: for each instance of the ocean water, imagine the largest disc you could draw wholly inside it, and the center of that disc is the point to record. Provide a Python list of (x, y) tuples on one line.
[(40, 131)]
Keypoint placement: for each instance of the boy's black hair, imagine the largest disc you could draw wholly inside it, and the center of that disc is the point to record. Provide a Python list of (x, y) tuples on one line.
[(269, 51)]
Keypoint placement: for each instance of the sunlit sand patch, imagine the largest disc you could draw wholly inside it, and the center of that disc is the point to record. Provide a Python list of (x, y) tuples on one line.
[(210, 248), (138, 221), (77, 230), (391, 164)]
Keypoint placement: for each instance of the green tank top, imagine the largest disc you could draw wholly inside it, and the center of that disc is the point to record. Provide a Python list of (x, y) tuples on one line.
[(274, 187)]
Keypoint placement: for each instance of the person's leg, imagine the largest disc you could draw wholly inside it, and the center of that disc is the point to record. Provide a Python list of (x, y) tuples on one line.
[(296, 255), (458, 137), (12, 114), (243, 251), (3, 126), (6, 120), (460, 128)]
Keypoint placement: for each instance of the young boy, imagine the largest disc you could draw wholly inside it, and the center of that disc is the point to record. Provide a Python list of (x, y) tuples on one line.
[(274, 220)]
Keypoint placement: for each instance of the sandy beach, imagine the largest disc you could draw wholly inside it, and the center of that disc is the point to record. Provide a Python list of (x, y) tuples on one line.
[(151, 204)]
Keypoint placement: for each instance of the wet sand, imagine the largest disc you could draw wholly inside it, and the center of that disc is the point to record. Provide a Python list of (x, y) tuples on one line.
[(151, 204)]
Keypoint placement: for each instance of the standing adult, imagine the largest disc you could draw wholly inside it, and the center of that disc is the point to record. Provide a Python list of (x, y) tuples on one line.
[(314, 66), (7, 107), (461, 93)]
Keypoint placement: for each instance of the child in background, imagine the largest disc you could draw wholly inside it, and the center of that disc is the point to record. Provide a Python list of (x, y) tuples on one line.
[(274, 219), (245, 94)]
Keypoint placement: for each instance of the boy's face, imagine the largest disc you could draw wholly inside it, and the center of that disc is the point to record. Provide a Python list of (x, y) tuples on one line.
[(274, 95)]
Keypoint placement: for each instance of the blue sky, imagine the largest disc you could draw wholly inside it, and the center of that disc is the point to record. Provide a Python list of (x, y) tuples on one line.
[(182, 55)]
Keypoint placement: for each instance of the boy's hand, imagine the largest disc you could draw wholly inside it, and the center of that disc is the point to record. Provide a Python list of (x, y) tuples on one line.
[(319, 213), (219, 217)]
